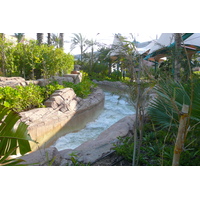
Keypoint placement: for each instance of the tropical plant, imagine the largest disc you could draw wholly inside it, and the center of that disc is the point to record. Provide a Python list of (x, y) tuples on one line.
[(13, 136), (91, 43), (19, 36), (75, 162), (55, 40), (79, 40), (3, 56), (166, 109), (82, 89), (34, 61), (61, 40), (125, 148), (21, 98), (177, 64)]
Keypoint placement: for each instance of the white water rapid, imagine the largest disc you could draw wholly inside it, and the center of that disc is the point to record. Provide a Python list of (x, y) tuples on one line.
[(115, 109)]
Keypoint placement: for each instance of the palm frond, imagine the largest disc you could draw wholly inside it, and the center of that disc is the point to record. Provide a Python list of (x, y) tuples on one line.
[(11, 134), (171, 95)]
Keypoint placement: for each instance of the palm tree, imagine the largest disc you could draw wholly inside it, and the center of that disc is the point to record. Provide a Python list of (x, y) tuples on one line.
[(79, 40), (177, 61), (3, 56), (40, 38), (55, 40), (166, 109), (61, 40), (104, 57), (91, 44), (19, 36)]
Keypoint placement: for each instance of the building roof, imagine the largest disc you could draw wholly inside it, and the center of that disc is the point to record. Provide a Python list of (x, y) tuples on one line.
[(191, 41), (117, 45)]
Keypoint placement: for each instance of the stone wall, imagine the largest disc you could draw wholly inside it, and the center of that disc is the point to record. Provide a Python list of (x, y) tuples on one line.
[(116, 86), (19, 81), (15, 81)]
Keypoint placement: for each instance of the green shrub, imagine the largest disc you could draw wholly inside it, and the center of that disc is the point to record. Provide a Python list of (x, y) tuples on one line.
[(82, 89), (21, 98), (33, 96), (49, 89), (35, 61), (158, 148), (125, 148)]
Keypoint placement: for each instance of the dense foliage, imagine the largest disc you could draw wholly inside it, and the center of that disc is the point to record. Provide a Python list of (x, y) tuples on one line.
[(158, 148), (33, 96), (31, 60), (21, 98), (160, 133)]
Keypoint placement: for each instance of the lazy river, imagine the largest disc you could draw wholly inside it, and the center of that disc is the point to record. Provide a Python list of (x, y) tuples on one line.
[(115, 108)]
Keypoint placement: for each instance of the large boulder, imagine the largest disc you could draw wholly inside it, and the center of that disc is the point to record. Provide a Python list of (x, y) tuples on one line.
[(63, 100), (12, 81), (42, 157), (117, 84), (62, 79)]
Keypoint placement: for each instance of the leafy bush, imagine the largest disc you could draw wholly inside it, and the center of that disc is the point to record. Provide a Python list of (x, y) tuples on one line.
[(125, 148), (49, 89), (21, 98), (35, 61), (82, 89), (33, 96), (158, 148)]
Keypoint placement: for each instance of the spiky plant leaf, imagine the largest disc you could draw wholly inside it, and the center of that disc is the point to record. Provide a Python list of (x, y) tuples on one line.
[(10, 136), (165, 109)]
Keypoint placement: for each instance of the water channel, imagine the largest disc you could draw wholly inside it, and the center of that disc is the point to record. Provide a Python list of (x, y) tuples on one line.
[(115, 108)]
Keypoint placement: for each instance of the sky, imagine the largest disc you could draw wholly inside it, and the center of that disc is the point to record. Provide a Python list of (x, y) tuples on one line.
[(106, 38)]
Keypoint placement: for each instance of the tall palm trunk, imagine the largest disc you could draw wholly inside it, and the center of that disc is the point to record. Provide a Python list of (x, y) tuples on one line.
[(81, 47), (40, 37), (49, 39), (182, 131), (92, 56), (139, 117), (61, 40), (177, 61), (3, 56)]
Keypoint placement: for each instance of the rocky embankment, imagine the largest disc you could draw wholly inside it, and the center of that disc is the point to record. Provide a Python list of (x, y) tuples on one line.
[(90, 152), (95, 152), (64, 113), (117, 86), (19, 81), (63, 104)]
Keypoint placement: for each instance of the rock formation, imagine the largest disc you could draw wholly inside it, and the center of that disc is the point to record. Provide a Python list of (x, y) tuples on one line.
[(88, 152), (64, 113), (19, 81)]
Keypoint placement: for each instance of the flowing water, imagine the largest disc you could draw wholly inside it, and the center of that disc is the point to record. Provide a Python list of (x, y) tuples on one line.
[(115, 108)]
